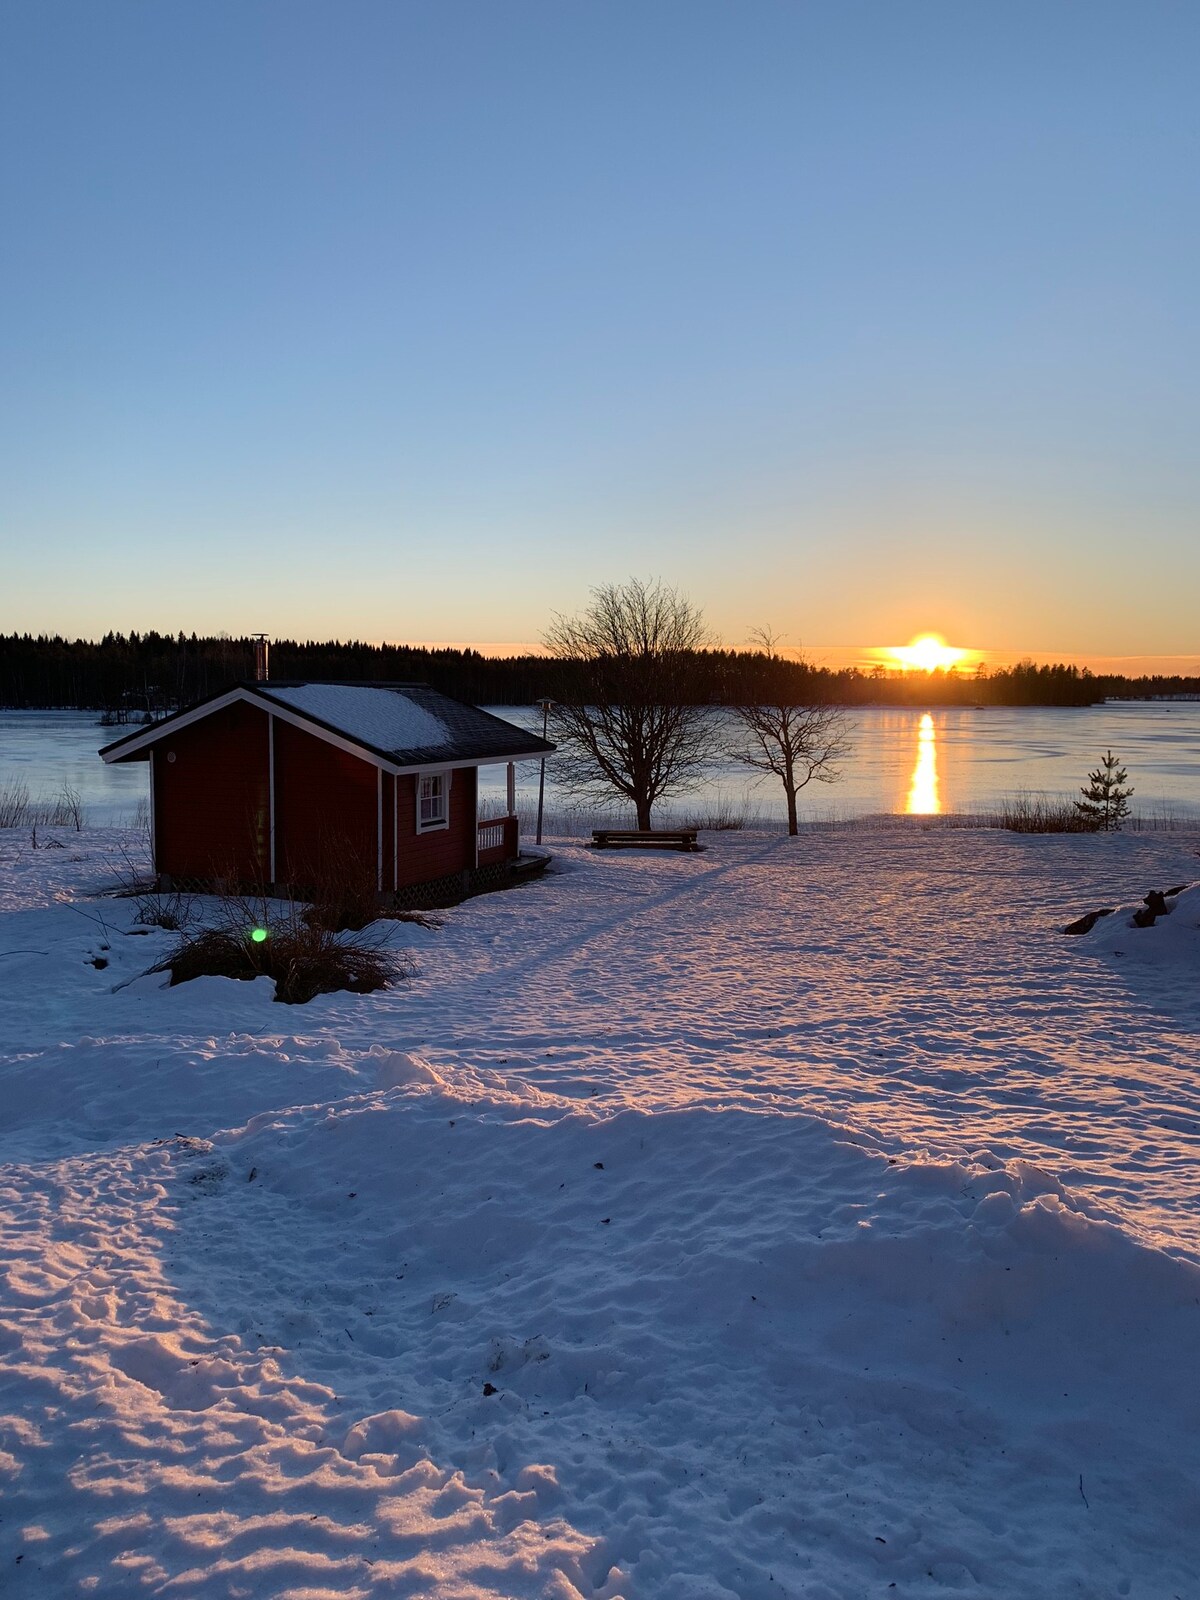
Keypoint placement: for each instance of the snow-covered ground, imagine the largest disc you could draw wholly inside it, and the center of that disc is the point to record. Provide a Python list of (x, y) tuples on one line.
[(804, 1218)]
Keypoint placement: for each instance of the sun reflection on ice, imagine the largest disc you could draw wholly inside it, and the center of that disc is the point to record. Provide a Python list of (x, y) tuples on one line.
[(923, 797)]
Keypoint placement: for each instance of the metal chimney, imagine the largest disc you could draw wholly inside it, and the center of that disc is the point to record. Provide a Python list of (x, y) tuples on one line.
[(262, 650)]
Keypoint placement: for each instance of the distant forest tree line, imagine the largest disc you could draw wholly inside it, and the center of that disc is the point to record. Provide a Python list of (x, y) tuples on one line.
[(137, 672)]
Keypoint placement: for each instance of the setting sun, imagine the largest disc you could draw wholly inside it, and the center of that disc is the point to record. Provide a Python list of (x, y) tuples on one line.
[(927, 653)]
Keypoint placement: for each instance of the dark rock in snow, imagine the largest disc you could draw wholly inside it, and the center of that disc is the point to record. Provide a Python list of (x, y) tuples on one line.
[(1155, 906), (1086, 923)]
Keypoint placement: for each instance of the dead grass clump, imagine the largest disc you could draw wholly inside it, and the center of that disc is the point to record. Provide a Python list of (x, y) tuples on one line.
[(18, 810), (304, 961), (724, 819), (1032, 813), (14, 803), (303, 958), (170, 910), (153, 907)]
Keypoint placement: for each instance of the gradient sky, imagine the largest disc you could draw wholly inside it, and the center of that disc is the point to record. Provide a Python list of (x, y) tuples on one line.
[(416, 320)]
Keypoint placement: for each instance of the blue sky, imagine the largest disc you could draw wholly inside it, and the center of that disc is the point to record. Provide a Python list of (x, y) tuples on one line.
[(416, 320)]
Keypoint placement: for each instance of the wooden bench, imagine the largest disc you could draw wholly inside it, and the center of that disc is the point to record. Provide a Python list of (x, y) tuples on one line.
[(646, 839)]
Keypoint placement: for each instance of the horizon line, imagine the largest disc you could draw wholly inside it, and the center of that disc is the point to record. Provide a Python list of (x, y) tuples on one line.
[(834, 656), (1135, 663)]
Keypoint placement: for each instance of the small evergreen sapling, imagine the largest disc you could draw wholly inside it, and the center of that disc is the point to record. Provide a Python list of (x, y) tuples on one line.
[(1105, 803)]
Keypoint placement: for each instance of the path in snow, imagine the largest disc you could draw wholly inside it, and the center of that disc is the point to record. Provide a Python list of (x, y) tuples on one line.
[(550, 1273), (915, 984)]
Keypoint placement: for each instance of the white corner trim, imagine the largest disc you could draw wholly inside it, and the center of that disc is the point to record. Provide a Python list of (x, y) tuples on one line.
[(270, 790), (153, 810)]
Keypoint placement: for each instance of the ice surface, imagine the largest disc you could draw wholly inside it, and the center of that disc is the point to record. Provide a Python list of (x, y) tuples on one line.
[(803, 1218), (383, 718)]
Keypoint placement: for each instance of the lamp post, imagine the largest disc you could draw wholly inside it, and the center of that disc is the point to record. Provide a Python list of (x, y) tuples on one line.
[(545, 705)]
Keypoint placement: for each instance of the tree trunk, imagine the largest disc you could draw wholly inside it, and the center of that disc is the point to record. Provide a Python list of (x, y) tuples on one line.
[(793, 826), (643, 815)]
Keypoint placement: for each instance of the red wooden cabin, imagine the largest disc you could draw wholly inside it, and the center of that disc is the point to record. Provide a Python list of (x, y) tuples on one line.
[(278, 783)]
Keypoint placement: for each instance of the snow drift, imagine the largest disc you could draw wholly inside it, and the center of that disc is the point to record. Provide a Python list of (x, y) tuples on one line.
[(678, 1233)]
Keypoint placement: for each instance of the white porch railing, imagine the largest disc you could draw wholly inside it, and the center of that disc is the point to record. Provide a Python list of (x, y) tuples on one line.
[(491, 835), (499, 839)]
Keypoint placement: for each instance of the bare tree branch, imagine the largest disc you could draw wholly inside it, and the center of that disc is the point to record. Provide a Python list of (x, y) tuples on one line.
[(799, 744), (630, 724)]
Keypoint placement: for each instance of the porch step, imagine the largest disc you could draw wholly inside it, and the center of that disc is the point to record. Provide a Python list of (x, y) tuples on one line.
[(525, 868)]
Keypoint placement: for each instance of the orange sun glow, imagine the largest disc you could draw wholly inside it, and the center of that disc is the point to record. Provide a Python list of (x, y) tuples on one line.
[(923, 797), (927, 653)]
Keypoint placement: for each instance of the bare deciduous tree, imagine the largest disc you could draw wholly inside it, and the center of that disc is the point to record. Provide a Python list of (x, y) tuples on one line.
[(628, 722), (800, 744)]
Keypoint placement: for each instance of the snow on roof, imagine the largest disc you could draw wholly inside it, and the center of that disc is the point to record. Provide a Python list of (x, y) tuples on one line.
[(385, 719), (407, 724)]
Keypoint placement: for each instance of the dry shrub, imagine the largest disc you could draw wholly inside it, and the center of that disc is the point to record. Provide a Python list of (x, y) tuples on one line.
[(343, 893), (304, 960), (167, 909), (17, 810), (153, 907), (321, 947), (71, 802), (315, 962)]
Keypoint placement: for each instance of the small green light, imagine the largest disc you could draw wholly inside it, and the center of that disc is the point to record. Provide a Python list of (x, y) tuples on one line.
[(259, 935)]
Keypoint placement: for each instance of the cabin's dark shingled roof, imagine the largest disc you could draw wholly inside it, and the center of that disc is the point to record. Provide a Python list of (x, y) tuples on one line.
[(472, 734)]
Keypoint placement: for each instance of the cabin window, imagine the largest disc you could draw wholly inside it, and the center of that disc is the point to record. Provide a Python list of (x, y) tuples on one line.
[(433, 801)]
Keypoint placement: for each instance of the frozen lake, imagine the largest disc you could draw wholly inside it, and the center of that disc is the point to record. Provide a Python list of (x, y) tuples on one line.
[(949, 760), (957, 760)]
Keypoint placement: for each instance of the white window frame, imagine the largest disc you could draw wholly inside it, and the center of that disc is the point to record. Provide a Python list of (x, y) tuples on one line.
[(443, 776)]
